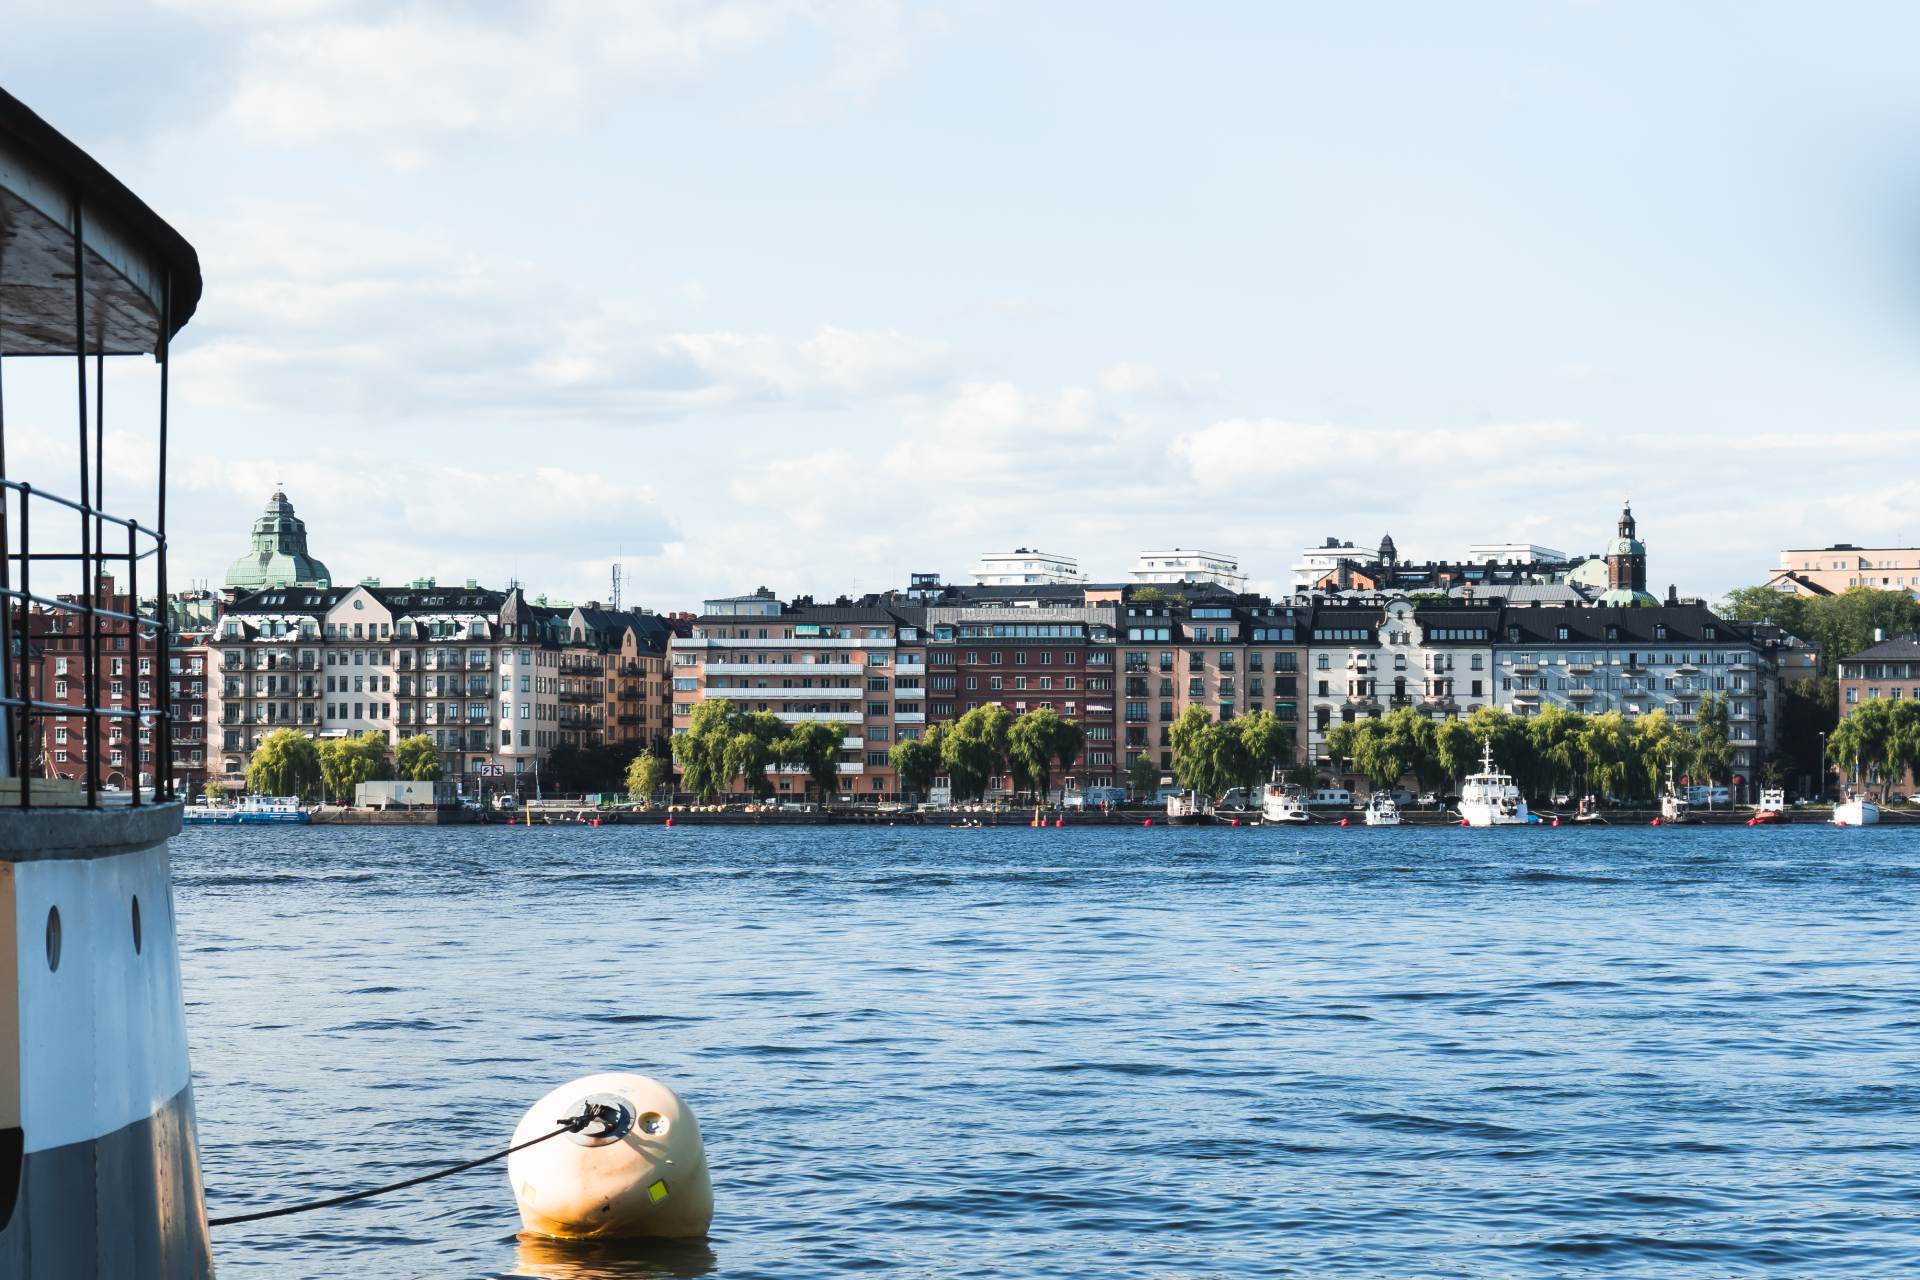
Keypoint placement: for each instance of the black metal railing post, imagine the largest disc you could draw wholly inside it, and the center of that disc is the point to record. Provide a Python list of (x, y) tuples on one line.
[(24, 761), (133, 649)]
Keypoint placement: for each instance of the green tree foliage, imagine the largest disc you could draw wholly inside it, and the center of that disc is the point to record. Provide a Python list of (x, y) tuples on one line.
[(1840, 624), (1878, 741), (1035, 742), (648, 775), (816, 747), (416, 759), (1196, 760), (587, 769), (724, 742), (1606, 753), (1712, 742), (1657, 742), (286, 763), (1143, 776), (1456, 751), (917, 761), (345, 763), (975, 749), (1266, 745), (1806, 709)]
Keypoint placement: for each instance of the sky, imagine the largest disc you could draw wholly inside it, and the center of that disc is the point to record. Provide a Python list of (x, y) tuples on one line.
[(818, 293)]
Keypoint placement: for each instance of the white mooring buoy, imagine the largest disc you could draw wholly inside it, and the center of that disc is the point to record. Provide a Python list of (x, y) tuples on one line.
[(636, 1169)]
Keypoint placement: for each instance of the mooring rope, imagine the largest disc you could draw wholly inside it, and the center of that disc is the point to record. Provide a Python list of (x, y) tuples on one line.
[(570, 1124)]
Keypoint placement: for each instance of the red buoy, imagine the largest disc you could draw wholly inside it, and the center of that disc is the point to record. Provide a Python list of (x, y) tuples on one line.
[(1059, 822), (1556, 822), (1343, 822), (1654, 823), (1147, 823), (1463, 822), (669, 821)]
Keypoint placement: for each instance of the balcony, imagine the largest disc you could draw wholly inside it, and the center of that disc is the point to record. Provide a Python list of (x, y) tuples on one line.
[(1529, 696), (578, 695), (1526, 667), (785, 670), (1581, 695), (844, 768), (1579, 668), (1687, 669), (814, 717), (910, 717), (788, 695)]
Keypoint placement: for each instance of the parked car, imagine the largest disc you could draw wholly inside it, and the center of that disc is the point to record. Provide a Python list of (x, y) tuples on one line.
[(1429, 800), (1561, 799)]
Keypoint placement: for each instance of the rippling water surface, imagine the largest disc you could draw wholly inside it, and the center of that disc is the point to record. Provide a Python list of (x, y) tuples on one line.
[(1116, 1052)]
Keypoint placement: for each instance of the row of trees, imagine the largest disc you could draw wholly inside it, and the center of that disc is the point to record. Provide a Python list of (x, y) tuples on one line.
[(724, 742), (1608, 754), (289, 763), (1879, 739), (1841, 625), (989, 741)]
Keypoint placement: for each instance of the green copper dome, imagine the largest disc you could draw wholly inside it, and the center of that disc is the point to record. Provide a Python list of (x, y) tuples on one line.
[(279, 557), (1626, 547)]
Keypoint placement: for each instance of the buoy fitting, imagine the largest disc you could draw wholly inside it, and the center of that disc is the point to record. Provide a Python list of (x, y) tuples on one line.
[(632, 1166)]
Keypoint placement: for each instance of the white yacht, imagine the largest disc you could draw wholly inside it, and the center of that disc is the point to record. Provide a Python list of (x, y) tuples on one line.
[(1381, 811), (1489, 798), (1674, 808), (1284, 804), (1855, 811)]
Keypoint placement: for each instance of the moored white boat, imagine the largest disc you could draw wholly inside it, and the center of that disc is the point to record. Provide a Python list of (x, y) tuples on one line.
[(1187, 808), (1855, 811), (1674, 808), (1772, 808), (1285, 804), (1490, 798), (1381, 811)]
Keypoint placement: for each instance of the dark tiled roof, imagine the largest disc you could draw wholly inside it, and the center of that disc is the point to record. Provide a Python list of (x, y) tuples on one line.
[(1685, 624), (1898, 648)]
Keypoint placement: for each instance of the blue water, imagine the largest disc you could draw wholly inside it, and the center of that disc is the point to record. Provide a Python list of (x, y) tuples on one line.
[(1118, 1052)]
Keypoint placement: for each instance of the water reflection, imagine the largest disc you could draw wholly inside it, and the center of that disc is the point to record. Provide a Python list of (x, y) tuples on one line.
[(548, 1259)]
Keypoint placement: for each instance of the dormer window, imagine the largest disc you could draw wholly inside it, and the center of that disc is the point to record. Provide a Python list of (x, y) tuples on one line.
[(1613, 631), (1659, 631), (1710, 633), (1561, 633), (1513, 635)]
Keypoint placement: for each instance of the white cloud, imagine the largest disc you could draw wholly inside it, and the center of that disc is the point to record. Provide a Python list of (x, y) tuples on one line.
[(404, 77)]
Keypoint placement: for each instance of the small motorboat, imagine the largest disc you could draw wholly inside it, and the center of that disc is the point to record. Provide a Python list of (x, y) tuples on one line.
[(1772, 809), (1188, 809), (1589, 810), (1381, 811), (1855, 811)]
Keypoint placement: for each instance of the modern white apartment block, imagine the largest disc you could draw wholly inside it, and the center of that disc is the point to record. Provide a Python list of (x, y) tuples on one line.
[(1026, 567), (1184, 565), (1514, 553)]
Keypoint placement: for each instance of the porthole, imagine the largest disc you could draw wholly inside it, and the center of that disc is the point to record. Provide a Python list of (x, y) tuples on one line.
[(136, 924), (53, 939)]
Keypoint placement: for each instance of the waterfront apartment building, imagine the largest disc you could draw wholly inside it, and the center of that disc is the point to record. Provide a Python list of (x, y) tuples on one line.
[(1224, 652), (1366, 658), (1888, 669), (494, 679), (1025, 655), (1639, 660), (1842, 566), (860, 666), (119, 752)]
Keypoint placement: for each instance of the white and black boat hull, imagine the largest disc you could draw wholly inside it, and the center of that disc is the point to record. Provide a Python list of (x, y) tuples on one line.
[(99, 1165)]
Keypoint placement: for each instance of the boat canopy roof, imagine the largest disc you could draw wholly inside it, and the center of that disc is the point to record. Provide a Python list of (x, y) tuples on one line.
[(136, 265)]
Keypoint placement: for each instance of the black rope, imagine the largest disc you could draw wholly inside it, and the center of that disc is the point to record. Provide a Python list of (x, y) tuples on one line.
[(570, 1124)]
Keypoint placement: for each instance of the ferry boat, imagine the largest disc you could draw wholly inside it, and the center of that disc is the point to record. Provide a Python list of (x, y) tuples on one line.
[(1855, 811), (265, 809), (1284, 804), (1188, 808), (1674, 808), (1489, 798), (99, 1166), (1381, 811), (1772, 808)]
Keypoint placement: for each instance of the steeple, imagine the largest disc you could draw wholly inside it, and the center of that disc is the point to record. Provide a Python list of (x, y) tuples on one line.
[(1626, 520), (1389, 554), (1627, 564)]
